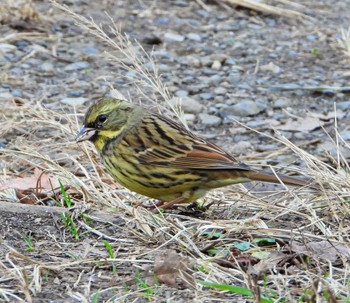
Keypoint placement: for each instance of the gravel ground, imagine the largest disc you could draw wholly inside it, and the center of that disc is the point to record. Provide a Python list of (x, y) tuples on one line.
[(222, 61), (229, 65)]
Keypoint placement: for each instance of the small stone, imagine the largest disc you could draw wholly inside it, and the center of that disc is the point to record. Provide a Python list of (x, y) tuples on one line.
[(47, 67), (74, 101), (241, 147), (234, 78), (220, 91), (188, 104), (194, 37), (206, 96), (209, 120), (162, 20), (281, 103), (216, 65), (345, 135), (90, 50), (245, 108), (181, 93), (271, 67), (7, 48), (5, 96), (173, 37), (77, 66), (189, 117), (345, 105)]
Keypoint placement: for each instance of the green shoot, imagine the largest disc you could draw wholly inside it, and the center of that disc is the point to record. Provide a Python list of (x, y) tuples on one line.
[(28, 239), (111, 254)]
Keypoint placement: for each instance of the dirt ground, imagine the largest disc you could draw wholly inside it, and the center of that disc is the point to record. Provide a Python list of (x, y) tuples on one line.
[(219, 58)]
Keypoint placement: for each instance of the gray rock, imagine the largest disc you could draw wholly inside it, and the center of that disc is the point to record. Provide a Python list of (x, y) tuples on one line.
[(194, 37), (173, 37), (181, 93), (209, 120), (74, 101), (345, 135), (188, 104), (215, 79), (281, 103), (90, 50), (241, 147), (343, 105), (47, 67), (5, 96), (190, 117), (7, 48), (216, 65), (206, 96), (245, 108), (77, 66), (220, 91), (234, 78)]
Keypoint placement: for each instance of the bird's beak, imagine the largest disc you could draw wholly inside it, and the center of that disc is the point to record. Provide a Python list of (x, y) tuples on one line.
[(85, 134)]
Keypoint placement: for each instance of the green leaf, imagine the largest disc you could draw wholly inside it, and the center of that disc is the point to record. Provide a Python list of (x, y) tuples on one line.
[(234, 289), (264, 241), (242, 246)]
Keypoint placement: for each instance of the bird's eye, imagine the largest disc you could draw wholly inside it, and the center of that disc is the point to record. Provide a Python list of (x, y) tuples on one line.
[(102, 118)]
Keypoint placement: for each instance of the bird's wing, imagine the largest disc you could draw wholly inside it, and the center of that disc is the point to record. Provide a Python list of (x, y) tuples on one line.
[(167, 143)]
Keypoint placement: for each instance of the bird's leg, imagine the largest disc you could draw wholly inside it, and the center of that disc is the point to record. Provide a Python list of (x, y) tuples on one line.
[(170, 204)]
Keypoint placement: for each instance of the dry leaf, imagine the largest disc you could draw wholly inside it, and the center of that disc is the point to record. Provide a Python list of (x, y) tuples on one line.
[(322, 250), (276, 258), (173, 269), (38, 180), (31, 189)]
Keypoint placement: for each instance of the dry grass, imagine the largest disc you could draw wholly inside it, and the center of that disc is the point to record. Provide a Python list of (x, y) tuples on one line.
[(17, 10), (82, 270), (273, 8), (344, 42)]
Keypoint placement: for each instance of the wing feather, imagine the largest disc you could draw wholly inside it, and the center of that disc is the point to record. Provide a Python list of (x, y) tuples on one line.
[(167, 143)]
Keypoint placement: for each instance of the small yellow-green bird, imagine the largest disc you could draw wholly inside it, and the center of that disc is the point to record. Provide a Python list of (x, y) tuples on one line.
[(155, 156)]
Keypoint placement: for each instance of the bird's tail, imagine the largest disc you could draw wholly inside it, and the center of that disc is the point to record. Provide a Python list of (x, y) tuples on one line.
[(278, 178)]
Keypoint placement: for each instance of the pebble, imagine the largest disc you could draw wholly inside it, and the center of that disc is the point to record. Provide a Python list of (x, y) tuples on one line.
[(345, 135), (216, 65), (345, 105), (209, 120), (220, 91), (5, 96), (206, 96), (74, 101), (281, 103), (7, 48), (245, 108), (47, 67), (181, 93), (173, 37), (241, 147), (234, 78), (90, 50), (77, 66), (194, 37), (190, 117), (188, 104)]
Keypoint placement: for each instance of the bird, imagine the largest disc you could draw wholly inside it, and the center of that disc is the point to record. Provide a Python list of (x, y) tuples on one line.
[(153, 155)]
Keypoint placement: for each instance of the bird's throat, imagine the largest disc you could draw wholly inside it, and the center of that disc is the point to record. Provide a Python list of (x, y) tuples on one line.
[(104, 137)]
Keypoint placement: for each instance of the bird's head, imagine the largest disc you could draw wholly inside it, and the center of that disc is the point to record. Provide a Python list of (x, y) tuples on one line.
[(104, 120)]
